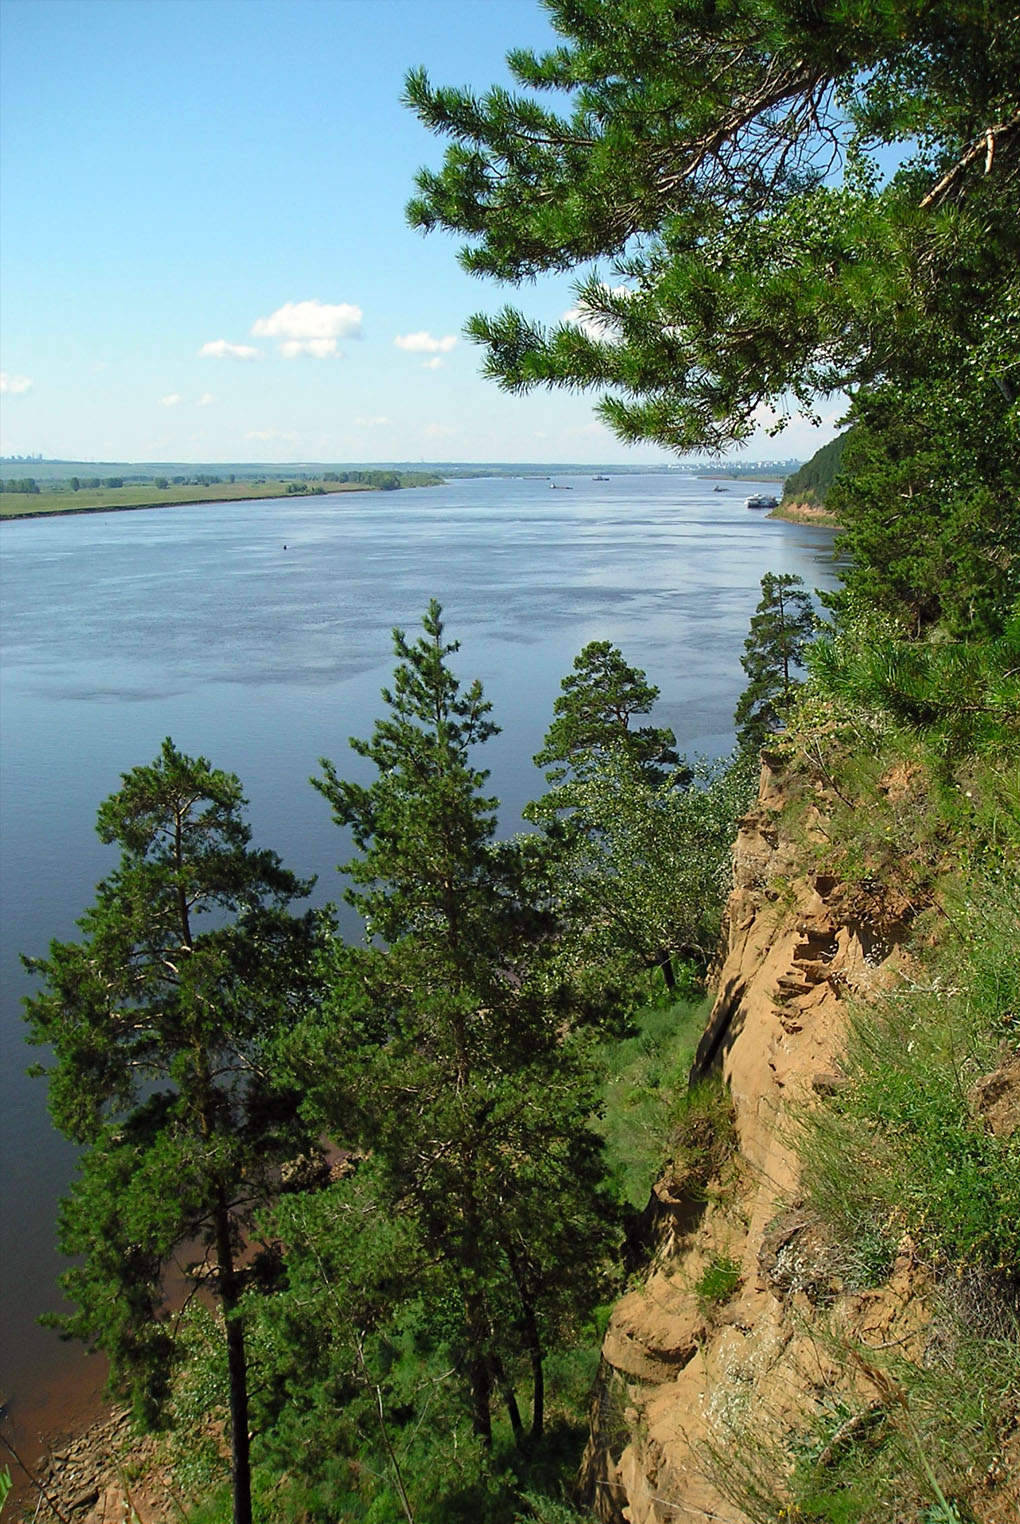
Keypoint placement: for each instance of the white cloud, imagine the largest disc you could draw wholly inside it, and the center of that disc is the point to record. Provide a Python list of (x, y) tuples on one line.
[(434, 364), (310, 328), (171, 400), (424, 343), (222, 349), (370, 423), (14, 386), (205, 399), (270, 434), (322, 349), (438, 431)]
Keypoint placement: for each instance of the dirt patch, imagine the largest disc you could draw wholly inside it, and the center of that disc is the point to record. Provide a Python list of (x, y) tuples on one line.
[(806, 513)]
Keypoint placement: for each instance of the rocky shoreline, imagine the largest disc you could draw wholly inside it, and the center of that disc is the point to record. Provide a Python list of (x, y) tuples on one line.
[(105, 1475)]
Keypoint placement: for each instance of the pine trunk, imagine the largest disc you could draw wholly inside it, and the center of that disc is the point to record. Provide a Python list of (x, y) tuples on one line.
[(237, 1369)]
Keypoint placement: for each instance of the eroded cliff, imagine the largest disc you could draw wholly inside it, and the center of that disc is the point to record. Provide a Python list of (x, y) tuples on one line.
[(745, 1324)]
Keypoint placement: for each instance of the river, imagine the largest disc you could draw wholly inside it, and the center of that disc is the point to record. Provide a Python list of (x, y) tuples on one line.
[(258, 635)]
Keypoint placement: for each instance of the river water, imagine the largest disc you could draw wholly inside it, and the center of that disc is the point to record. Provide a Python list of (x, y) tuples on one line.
[(257, 634)]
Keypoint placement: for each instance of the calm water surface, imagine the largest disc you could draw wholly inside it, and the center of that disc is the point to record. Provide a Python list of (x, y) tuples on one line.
[(258, 634)]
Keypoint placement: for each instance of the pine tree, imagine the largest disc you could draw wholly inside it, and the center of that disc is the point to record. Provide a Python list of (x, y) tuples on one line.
[(730, 171), (163, 1021), (781, 627), (592, 717), (593, 713), (451, 1060)]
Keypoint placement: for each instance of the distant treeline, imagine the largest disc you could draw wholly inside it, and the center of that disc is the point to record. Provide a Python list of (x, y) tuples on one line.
[(385, 481)]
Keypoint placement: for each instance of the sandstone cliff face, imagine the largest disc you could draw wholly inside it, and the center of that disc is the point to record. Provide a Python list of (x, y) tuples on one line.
[(680, 1375)]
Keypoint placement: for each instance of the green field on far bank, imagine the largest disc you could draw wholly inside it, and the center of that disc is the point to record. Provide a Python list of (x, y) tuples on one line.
[(106, 499), (62, 497)]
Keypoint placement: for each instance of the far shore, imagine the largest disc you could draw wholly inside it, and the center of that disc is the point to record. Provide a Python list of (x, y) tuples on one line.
[(128, 499)]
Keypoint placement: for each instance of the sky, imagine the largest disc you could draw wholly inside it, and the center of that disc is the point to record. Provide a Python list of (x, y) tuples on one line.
[(204, 251)]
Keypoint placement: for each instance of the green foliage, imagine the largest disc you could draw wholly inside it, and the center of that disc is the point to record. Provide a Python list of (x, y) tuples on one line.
[(702, 1135), (163, 1023), (647, 1070), (636, 843), (717, 1282), (699, 157), (642, 870), (447, 1050), (963, 696), (811, 482), (592, 716), (730, 172), (927, 499), (907, 1441), (904, 1148), (924, 829), (782, 626)]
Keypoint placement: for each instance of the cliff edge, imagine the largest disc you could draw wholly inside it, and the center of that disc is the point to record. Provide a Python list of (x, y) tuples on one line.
[(747, 1323)]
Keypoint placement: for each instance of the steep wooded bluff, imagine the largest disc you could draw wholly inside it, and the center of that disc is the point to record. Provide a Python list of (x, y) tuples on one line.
[(755, 1340), (778, 1354)]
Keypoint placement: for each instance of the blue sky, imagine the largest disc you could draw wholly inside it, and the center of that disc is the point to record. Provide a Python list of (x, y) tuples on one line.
[(204, 250)]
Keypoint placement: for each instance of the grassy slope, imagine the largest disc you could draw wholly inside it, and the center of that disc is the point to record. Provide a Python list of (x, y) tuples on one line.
[(914, 1160)]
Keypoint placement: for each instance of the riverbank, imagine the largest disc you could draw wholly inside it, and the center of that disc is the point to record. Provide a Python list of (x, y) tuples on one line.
[(102, 1474), (51, 1421), (806, 513), (126, 499), (198, 625)]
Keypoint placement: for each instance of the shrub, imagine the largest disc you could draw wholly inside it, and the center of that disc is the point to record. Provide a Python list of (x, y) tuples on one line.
[(718, 1281)]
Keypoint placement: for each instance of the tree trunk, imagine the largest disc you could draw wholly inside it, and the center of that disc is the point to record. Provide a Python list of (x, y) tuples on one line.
[(510, 1398), (537, 1376), (666, 965), (237, 1367), (480, 1379), (534, 1351)]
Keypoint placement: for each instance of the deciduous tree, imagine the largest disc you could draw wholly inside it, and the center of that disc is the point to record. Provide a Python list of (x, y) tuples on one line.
[(644, 871)]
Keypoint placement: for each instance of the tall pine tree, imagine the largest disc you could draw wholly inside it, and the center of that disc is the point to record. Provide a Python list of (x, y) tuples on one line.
[(163, 1021), (452, 1060)]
